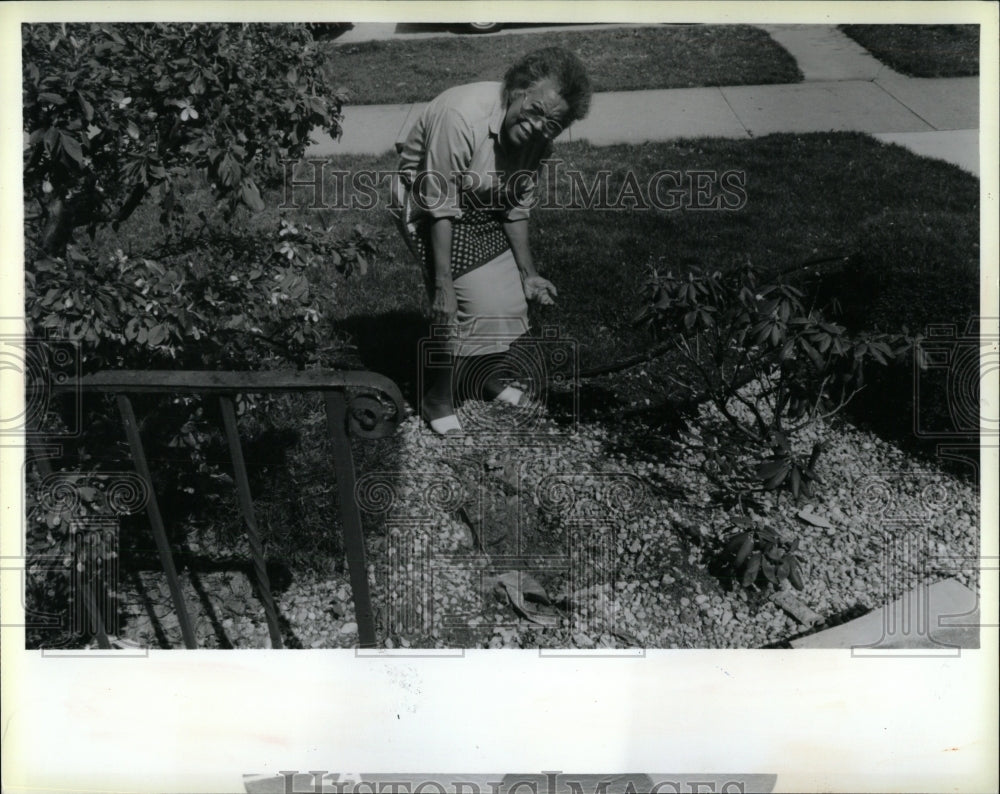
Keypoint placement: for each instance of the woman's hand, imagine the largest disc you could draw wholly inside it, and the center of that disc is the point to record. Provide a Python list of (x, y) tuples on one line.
[(539, 289), (444, 307)]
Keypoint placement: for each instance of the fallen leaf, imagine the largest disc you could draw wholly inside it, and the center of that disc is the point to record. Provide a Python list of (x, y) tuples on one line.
[(518, 586), (794, 607), (814, 519), (528, 586)]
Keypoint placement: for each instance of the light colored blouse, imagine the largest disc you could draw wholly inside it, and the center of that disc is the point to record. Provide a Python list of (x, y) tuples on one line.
[(455, 146)]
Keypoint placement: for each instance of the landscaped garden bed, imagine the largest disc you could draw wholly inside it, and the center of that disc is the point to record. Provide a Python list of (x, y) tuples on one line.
[(625, 514), (645, 532)]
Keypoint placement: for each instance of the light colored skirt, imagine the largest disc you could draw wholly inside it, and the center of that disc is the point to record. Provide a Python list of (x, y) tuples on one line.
[(492, 310)]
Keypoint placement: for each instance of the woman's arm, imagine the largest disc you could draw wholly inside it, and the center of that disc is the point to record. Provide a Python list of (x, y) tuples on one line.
[(517, 236), (450, 142), (444, 306), (535, 287)]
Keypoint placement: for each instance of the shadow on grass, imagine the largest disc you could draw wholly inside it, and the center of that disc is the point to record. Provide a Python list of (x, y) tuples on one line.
[(389, 344), (917, 274)]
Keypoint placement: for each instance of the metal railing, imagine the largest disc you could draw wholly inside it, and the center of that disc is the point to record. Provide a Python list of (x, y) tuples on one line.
[(359, 404)]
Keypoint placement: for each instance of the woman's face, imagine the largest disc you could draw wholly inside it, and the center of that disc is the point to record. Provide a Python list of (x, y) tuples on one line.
[(535, 113)]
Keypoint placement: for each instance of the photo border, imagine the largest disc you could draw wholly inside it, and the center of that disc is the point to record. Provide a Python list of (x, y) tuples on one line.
[(176, 721)]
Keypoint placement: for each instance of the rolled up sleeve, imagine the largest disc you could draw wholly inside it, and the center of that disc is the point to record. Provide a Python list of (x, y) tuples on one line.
[(449, 148)]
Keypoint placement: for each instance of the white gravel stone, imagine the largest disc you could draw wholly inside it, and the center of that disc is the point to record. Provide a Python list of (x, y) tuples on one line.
[(844, 566)]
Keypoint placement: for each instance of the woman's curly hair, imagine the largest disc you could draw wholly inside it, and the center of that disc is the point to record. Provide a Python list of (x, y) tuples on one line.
[(561, 66)]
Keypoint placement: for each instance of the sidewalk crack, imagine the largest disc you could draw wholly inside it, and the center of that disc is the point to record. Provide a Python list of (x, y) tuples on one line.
[(733, 111), (889, 93)]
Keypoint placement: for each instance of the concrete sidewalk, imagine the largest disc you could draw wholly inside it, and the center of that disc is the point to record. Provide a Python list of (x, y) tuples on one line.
[(846, 89), (940, 619)]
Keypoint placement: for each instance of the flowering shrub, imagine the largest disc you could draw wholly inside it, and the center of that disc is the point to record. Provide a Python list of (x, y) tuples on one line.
[(238, 303), (118, 114), (114, 113)]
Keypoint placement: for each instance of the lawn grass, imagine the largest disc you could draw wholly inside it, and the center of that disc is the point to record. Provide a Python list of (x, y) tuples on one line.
[(807, 196), (909, 226), (621, 59), (922, 50)]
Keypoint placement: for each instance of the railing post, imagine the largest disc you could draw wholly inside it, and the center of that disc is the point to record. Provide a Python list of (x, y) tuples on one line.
[(156, 520), (371, 417), (354, 542), (246, 506)]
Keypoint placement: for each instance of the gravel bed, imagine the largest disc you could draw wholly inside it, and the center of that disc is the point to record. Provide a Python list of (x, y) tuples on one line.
[(543, 539)]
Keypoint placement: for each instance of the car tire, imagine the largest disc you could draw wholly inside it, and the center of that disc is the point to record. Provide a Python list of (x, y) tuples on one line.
[(483, 27)]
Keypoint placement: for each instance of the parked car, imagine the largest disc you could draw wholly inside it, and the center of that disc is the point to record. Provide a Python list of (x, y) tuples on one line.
[(482, 27)]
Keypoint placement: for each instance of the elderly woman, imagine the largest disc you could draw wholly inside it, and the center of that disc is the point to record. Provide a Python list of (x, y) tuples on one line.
[(468, 170)]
